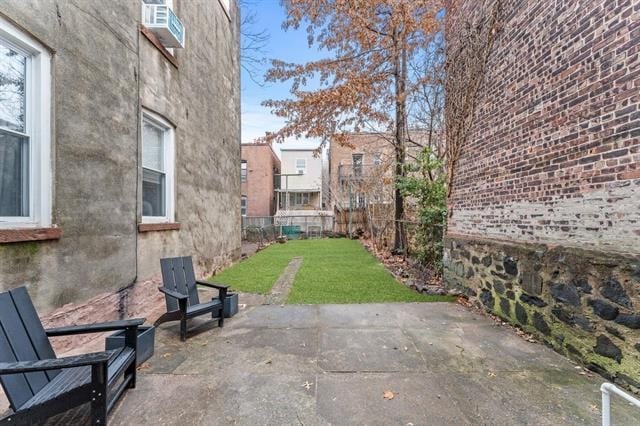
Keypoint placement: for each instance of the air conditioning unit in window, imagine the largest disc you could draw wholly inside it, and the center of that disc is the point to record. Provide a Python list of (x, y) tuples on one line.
[(161, 20)]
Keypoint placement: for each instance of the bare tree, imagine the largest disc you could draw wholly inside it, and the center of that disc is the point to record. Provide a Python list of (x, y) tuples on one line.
[(253, 42), (366, 79)]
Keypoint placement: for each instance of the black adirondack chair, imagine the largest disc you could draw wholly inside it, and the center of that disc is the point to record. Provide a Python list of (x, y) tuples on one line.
[(39, 385), (181, 294)]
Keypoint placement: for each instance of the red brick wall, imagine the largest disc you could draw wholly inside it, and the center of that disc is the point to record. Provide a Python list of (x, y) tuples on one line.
[(367, 144), (554, 156), (259, 189)]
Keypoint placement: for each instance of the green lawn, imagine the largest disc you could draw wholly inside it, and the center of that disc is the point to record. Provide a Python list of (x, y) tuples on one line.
[(333, 271)]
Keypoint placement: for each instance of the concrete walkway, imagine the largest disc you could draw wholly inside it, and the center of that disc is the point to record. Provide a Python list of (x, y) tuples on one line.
[(332, 364), (282, 287)]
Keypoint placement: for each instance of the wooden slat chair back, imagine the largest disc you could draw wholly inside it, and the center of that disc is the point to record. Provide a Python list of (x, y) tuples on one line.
[(22, 338), (178, 275), (39, 385), (181, 294)]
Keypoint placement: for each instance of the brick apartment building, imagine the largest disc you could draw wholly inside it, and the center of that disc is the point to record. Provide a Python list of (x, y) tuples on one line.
[(259, 167), (361, 176), (545, 210), (360, 171)]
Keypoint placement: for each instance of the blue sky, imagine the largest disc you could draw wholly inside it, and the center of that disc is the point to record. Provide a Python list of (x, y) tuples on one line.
[(289, 46)]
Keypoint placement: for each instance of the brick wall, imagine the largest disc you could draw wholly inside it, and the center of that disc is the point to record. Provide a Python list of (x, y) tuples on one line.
[(259, 189), (367, 144), (545, 209), (555, 151)]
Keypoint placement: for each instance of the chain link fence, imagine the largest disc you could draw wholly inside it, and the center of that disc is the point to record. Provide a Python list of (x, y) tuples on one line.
[(265, 229)]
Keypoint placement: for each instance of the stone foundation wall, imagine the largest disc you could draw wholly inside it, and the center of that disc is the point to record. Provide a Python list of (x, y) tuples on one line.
[(584, 304)]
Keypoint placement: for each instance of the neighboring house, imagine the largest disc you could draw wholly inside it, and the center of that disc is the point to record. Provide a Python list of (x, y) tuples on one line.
[(299, 192), (361, 171), (301, 181), (545, 207), (361, 179), (258, 169), (119, 145)]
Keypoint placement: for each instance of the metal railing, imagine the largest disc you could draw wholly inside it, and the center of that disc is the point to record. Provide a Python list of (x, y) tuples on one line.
[(607, 389), (354, 173)]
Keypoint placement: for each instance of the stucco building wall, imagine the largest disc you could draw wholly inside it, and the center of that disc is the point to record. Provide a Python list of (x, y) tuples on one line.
[(104, 72), (311, 180)]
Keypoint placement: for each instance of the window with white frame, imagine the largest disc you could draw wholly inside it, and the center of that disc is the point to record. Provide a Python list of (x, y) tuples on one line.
[(162, 2), (301, 166), (300, 198), (243, 205), (358, 200), (243, 171), (358, 160), (377, 158), (25, 130), (157, 169)]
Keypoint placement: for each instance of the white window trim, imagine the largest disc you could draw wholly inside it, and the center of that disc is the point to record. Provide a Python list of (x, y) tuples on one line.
[(169, 165), (244, 178), (377, 159), (164, 2), (37, 126), (246, 205), (226, 7), (304, 168)]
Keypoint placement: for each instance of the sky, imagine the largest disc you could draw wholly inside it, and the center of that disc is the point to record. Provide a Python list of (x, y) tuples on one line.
[(289, 46)]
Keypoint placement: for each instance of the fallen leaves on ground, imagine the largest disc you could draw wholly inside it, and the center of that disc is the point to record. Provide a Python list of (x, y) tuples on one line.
[(405, 270), (388, 395)]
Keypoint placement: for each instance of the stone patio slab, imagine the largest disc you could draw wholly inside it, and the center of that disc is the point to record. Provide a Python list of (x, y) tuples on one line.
[(368, 350), (418, 399), (276, 316), (358, 316), (162, 399), (257, 350), (331, 364)]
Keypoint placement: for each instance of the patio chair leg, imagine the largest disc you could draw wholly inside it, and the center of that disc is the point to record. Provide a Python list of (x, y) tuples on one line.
[(183, 329), (221, 320), (99, 399), (168, 316)]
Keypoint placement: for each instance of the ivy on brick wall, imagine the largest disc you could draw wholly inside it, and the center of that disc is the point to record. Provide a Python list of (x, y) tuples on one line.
[(425, 182)]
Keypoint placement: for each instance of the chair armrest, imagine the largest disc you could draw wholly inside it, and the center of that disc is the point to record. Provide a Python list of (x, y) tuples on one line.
[(173, 294), (56, 363), (213, 285), (95, 328)]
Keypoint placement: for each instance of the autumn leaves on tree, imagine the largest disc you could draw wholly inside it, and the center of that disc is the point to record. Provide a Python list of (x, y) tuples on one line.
[(367, 82)]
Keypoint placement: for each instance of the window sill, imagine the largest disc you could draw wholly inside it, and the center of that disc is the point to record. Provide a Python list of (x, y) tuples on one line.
[(153, 227), (158, 45), (29, 234)]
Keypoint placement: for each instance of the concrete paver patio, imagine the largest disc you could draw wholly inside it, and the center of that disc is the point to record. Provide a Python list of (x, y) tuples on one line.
[(331, 364)]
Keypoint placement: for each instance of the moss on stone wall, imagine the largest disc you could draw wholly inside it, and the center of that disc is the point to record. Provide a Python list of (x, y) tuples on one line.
[(584, 304)]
